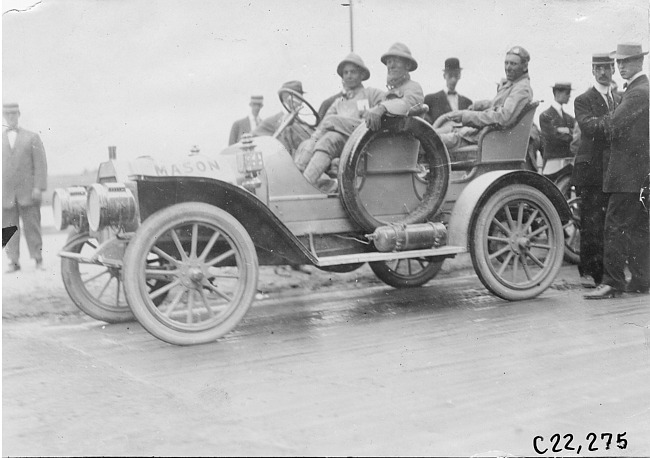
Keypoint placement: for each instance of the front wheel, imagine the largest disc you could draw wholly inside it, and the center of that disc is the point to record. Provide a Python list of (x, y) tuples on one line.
[(517, 243), (406, 273), (210, 273)]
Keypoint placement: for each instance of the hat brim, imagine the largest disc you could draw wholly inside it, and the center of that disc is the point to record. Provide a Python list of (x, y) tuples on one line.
[(627, 56), (414, 64), (366, 72)]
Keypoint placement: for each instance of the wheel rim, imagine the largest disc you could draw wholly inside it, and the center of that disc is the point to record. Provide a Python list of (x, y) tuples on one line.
[(203, 273), (520, 248), (572, 227), (407, 269)]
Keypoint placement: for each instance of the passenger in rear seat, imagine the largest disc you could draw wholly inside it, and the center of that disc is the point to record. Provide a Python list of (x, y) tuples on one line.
[(513, 94)]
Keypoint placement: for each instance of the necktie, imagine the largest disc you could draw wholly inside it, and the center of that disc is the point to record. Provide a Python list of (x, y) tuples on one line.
[(610, 102), (624, 86), (451, 92)]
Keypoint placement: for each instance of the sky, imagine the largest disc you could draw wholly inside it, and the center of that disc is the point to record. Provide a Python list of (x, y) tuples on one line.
[(158, 77)]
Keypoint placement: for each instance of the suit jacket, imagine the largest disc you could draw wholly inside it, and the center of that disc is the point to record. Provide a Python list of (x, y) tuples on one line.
[(628, 163), (24, 167), (591, 113), (555, 144), (239, 128), (439, 105)]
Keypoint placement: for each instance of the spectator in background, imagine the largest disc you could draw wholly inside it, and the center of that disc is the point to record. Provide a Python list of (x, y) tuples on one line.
[(24, 178), (592, 108), (627, 234), (249, 123), (556, 125), (448, 99)]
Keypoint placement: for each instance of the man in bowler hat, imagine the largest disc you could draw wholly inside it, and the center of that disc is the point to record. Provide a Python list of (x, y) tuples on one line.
[(627, 236), (592, 108), (448, 99), (557, 125), (24, 178), (249, 123)]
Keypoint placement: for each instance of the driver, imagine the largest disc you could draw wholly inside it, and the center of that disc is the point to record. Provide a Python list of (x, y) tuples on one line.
[(293, 134), (314, 156), (512, 96)]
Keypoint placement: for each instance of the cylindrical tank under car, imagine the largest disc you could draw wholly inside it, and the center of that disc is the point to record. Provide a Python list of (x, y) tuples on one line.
[(401, 237)]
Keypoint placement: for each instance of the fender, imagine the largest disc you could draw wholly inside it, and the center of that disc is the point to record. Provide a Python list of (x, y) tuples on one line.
[(268, 233), (476, 193)]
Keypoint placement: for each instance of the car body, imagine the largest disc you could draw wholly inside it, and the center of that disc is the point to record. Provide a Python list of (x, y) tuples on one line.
[(179, 244)]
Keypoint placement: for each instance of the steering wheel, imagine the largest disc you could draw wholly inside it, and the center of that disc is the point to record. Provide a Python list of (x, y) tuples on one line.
[(295, 104), (443, 123)]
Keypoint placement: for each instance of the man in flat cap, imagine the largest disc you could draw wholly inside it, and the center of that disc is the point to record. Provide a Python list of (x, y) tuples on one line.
[(592, 108), (556, 125), (513, 94), (448, 99), (315, 155), (627, 239), (24, 178), (249, 123), (296, 132)]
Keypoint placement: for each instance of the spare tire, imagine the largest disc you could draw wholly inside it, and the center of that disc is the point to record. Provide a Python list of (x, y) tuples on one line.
[(398, 174)]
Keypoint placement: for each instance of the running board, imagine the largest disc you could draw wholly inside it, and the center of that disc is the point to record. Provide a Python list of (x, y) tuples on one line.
[(443, 252)]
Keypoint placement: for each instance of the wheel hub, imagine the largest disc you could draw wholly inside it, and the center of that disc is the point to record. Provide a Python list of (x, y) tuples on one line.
[(192, 275)]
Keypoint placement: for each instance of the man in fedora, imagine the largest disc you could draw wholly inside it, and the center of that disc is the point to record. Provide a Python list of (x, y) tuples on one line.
[(249, 123), (24, 178), (315, 155), (448, 99), (592, 108), (293, 134), (513, 94), (557, 125), (627, 239)]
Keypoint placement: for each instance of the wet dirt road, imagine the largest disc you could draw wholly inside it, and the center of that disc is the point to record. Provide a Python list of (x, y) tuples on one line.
[(446, 369)]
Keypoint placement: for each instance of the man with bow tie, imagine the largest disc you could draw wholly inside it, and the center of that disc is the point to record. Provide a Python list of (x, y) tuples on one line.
[(448, 99), (24, 178), (557, 125), (249, 123)]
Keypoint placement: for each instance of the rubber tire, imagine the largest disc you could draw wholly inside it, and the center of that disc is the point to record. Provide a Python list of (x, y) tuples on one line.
[(571, 255), (478, 242), (396, 280), (435, 153), (135, 284), (341, 268), (78, 293)]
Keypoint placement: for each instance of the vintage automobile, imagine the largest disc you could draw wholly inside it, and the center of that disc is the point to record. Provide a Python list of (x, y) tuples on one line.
[(178, 245)]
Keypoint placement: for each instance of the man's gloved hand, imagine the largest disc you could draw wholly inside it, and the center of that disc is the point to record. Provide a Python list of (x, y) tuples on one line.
[(456, 116), (37, 196), (373, 117), (564, 130)]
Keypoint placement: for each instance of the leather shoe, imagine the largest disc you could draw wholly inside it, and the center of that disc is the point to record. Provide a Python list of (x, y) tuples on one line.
[(636, 288), (13, 267), (603, 292)]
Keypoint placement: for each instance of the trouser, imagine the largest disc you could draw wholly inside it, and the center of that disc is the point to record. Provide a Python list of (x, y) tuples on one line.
[(627, 240), (457, 137), (31, 218), (593, 207)]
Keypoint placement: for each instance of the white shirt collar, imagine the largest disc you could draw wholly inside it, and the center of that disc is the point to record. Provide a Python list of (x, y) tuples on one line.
[(604, 90), (557, 106), (638, 75)]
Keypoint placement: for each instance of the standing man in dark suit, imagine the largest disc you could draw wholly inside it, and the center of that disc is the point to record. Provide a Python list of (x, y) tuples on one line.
[(24, 178), (249, 123), (448, 99), (592, 109), (627, 236), (556, 125)]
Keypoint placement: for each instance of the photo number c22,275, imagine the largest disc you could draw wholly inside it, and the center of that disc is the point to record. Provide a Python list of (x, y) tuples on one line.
[(568, 443)]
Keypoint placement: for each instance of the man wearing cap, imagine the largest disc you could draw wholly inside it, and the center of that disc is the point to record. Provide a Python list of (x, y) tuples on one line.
[(24, 178), (557, 125), (513, 94), (315, 155), (293, 134), (592, 108), (627, 235), (448, 99), (249, 123)]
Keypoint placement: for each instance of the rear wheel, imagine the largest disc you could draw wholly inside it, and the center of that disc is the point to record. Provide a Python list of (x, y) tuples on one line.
[(406, 273), (516, 243), (211, 273), (571, 229)]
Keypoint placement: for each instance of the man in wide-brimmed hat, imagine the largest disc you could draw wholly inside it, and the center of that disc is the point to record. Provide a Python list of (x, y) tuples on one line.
[(315, 155), (448, 99), (513, 94), (293, 134), (627, 233), (557, 125), (591, 109), (250, 122)]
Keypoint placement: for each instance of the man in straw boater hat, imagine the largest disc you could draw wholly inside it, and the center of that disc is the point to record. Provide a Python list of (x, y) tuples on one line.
[(556, 125), (448, 99), (249, 123), (627, 239), (591, 109), (315, 155), (513, 94), (24, 178)]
